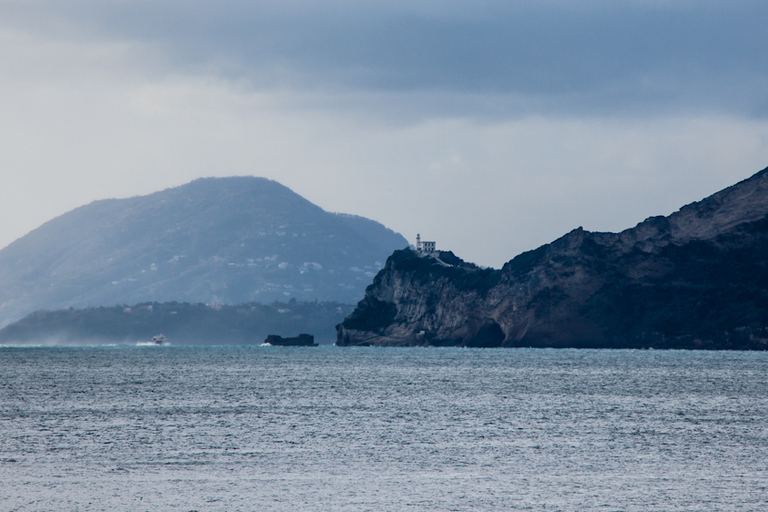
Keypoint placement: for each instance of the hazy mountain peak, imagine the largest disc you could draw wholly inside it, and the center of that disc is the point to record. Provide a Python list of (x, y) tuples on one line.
[(228, 240)]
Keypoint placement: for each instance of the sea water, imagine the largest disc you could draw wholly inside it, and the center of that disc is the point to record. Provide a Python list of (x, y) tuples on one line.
[(328, 428)]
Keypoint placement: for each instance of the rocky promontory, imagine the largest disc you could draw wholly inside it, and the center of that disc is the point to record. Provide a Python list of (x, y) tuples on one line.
[(697, 279)]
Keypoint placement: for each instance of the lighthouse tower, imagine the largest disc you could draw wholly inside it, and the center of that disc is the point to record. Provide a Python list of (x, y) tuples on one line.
[(424, 247)]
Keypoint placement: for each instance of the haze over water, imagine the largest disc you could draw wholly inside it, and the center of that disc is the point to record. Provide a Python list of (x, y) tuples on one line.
[(271, 428)]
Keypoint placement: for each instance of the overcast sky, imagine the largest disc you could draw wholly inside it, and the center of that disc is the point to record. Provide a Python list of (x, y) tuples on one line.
[(491, 127)]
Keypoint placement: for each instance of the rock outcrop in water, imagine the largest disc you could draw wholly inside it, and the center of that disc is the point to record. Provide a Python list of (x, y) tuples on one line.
[(302, 340), (697, 279)]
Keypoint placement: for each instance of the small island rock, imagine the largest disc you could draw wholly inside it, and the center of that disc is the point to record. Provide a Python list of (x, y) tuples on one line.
[(302, 340)]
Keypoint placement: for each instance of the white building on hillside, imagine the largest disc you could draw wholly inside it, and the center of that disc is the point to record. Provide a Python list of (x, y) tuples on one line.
[(423, 246)]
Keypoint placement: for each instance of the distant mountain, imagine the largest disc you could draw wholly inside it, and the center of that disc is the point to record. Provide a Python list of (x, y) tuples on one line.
[(214, 240), (697, 279)]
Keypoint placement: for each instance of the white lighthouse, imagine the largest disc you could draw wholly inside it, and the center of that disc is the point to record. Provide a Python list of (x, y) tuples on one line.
[(424, 247)]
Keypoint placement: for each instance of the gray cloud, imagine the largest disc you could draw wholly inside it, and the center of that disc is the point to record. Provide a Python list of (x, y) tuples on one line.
[(489, 126), (600, 57)]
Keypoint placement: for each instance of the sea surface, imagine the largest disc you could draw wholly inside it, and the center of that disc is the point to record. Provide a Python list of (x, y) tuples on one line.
[(129, 428)]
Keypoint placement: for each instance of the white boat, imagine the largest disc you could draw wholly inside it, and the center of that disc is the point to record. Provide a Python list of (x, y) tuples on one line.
[(159, 339)]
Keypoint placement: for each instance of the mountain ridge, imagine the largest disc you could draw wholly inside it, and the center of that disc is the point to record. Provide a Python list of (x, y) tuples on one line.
[(230, 240), (695, 279)]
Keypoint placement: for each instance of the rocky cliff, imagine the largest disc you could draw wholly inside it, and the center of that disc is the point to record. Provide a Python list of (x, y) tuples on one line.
[(695, 279)]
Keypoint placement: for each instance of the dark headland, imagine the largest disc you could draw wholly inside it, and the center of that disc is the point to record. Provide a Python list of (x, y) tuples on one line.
[(697, 279)]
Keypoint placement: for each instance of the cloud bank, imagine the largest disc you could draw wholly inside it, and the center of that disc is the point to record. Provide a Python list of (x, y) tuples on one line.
[(490, 126)]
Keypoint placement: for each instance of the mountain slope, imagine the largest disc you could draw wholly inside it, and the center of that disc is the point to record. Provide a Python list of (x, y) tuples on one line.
[(228, 240), (695, 279)]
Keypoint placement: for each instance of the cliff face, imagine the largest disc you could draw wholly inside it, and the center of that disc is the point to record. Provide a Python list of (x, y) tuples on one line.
[(695, 279)]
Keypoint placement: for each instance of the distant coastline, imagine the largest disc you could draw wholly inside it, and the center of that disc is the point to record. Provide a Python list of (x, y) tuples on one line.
[(183, 323)]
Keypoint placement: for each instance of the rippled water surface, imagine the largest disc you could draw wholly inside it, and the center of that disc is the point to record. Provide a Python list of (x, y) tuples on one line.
[(272, 428)]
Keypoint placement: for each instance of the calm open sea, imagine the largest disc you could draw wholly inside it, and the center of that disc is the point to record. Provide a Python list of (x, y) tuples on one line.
[(273, 428)]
